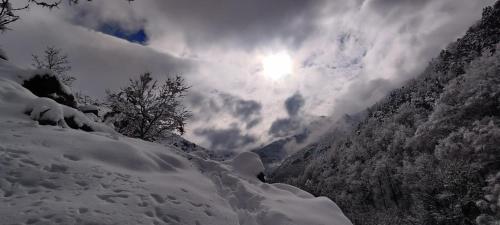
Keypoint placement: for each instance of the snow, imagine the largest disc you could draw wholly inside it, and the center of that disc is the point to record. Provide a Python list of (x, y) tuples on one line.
[(11, 72), (260, 203), (3, 55), (248, 164), (48, 111), (59, 175), (45, 109)]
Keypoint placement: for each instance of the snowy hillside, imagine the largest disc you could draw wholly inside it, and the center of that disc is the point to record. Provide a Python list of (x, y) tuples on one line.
[(54, 174)]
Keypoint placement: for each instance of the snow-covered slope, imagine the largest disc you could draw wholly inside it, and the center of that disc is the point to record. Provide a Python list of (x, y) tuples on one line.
[(59, 175)]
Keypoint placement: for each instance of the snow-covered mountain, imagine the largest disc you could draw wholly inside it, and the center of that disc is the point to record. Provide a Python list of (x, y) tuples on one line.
[(59, 167)]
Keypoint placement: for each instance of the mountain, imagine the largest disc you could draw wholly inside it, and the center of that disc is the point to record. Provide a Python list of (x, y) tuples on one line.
[(58, 166), (274, 153), (179, 143), (428, 153)]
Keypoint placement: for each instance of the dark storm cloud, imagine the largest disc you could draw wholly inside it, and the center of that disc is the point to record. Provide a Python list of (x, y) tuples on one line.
[(294, 103), (230, 139), (225, 108), (242, 23), (385, 6), (240, 108), (210, 106), (253, 123), (201, 102), (282, 127)]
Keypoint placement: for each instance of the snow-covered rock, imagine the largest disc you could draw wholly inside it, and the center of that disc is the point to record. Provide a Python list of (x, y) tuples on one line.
[(44, 83), (41, 82), (48, 112), (59, 175), (45, 111), (248, 164)]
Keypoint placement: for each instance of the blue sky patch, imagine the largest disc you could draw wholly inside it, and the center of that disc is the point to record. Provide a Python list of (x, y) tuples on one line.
[(137, 36)]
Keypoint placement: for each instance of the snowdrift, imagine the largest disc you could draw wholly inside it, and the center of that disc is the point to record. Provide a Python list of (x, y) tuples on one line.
[(55, 174)]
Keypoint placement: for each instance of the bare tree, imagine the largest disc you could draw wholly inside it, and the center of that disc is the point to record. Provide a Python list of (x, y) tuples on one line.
[(53, 59), (8, 12), (147, 110)]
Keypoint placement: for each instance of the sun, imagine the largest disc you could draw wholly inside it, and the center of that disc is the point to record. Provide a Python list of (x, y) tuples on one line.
[(277, 66)]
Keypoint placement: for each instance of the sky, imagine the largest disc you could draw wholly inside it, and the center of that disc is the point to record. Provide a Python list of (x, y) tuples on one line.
[(259, 70)]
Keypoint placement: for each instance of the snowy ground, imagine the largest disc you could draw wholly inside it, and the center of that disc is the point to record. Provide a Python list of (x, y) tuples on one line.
[(58, 175)]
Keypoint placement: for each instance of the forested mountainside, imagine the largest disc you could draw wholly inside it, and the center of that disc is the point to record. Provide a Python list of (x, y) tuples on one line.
[(429, 153)]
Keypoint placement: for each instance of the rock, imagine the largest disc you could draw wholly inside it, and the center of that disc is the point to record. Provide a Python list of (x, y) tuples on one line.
[(49, 86)]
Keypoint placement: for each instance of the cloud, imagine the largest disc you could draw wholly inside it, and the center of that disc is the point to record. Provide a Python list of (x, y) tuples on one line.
[(216, 104), (388, 49), (284, 127), (99, 61), (246, 110), (230, 139), (242, 24), (217, 113), (292, 125), (94, 15), (294, 103), (386, 6)]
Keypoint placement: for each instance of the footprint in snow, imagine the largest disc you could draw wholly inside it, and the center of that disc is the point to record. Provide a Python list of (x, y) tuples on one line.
[(29, 162), (158, 199), (196, 204), (71, 157), (56, 168), (208, 212), (83, 210), (110, 197)]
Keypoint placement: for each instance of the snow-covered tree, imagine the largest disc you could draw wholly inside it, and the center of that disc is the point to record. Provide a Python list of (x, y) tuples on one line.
[(147, 109)]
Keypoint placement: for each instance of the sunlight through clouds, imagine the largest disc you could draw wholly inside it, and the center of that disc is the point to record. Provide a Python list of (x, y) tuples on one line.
[(277, 66)]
